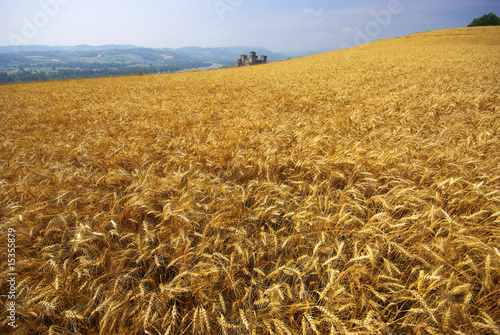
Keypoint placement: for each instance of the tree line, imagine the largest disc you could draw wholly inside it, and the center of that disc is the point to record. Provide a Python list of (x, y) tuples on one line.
[(490, 19)]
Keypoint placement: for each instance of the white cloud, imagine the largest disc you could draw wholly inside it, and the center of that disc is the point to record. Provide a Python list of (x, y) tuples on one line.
[(347, 30), (311, 11), (308, 11)]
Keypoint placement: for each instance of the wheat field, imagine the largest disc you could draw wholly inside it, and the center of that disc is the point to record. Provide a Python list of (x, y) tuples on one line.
[(351, 192)]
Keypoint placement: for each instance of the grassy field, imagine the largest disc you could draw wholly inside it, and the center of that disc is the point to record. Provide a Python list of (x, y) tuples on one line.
[(352, 192)]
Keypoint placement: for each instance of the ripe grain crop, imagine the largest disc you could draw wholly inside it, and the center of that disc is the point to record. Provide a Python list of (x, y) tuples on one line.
[(351, 192)]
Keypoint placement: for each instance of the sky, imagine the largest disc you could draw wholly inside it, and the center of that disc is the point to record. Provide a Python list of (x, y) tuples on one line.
[(278, 25)]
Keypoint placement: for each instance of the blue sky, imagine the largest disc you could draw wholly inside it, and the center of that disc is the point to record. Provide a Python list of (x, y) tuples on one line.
[(279, 25)]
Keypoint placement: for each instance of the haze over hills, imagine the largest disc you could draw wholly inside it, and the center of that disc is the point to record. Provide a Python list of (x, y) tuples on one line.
[(227, 54), (208, 52), (218, 54), (81, 47)]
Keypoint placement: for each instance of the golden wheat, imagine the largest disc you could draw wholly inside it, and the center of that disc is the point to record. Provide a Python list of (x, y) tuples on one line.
[(351, 192)]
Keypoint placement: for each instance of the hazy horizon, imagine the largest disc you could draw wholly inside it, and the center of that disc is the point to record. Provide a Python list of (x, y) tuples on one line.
[(291, 26)]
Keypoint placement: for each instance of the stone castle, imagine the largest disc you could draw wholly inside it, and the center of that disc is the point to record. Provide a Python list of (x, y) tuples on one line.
[(251, 59)]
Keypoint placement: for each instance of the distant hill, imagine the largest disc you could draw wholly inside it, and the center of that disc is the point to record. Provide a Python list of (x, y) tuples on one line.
[(39, 62), (222, 55)]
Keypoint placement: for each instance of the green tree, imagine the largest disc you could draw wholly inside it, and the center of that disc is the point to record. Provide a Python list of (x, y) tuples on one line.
[(490, 19)]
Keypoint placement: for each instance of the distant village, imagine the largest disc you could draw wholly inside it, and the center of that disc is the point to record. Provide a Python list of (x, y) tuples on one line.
[(252, 59)]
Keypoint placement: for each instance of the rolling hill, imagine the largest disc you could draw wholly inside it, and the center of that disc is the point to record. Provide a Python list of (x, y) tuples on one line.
[(349, 192)]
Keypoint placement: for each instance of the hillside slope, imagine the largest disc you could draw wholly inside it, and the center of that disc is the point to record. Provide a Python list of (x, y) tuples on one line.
[(356, 191)]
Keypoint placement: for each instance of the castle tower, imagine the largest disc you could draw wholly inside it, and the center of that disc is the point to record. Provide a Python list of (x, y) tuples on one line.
[(253, 57), (243, 59)]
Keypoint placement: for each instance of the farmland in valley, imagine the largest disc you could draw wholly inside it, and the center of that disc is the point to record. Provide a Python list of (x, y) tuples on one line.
[(351, 192)]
